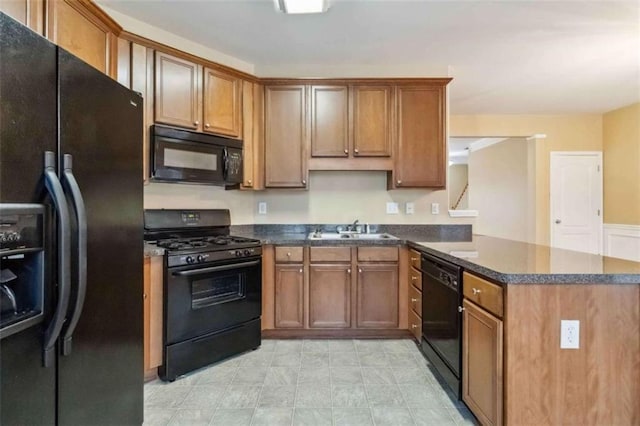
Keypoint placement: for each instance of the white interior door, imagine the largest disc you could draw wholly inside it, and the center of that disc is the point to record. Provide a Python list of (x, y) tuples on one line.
[(576, 200)]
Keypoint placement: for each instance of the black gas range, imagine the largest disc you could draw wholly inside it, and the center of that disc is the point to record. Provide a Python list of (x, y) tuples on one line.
[(212, 288)]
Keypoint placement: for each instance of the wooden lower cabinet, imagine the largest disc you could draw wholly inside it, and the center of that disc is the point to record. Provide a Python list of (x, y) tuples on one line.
[(330, 296), (289, 297), (377, 295), (482, 382), (152, 313)]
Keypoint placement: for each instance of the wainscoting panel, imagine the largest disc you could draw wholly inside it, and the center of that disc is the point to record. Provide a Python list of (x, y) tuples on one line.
[(622, 241)]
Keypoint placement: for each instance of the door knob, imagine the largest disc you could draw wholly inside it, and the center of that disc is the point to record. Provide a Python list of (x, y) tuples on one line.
[(558, 221)]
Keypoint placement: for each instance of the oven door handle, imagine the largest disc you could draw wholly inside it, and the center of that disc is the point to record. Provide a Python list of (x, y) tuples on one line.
[(192, 272)]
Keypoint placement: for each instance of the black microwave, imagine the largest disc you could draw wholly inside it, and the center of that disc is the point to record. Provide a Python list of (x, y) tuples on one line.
[(189, 157)]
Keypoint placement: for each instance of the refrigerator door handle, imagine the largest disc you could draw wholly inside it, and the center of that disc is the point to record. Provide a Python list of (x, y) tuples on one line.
[(52, 183), (71, 185)]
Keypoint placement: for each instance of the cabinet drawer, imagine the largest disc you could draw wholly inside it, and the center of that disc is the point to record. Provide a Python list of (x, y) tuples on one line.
[(415, 300), (415, 325), (415, 278), (330, 254), (289, 254), (378, 254), (414, 259), (483, 293)]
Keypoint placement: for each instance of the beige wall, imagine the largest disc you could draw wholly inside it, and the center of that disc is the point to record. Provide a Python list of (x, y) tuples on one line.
[(621, 146), (458, 178), (578, 132), (499, 189)]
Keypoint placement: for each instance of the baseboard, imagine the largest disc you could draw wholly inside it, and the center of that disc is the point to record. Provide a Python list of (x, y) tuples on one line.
[(622, 241), (350, 333)]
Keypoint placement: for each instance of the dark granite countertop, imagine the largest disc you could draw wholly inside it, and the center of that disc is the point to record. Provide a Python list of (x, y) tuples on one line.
[(515, 262), (505, 261)]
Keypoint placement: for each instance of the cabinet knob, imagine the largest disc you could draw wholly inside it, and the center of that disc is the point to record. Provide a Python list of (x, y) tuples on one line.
[(558, 221), (399, 182), (414, 300), (460, 309), (207, 125), (304, 182), (414, 326), (346, 151), (249, 181), (300, 270), (144, 295), (349, 271), (356, 150), (414, 278), (360, 270), (196, 122), (289, 254), (413, 259), (475, 290)]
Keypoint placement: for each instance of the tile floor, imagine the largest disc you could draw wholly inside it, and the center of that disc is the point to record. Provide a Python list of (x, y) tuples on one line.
[(309, 382)]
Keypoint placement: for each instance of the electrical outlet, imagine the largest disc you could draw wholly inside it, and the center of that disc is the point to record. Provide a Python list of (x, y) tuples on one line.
[(435, 208), (262, 207), (569, 334), (392, 208), (409, 208)]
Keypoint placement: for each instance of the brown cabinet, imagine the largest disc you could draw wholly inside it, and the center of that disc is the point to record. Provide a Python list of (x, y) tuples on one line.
[(222, 103), (27, 12), (152, 313), (377, 295), (330, 296), (85, 30), (420, 155), (329, 121), (289, 298), (482, 381), (415, 325), (372, 120), (252, 134), (285, 136), (176, 91)]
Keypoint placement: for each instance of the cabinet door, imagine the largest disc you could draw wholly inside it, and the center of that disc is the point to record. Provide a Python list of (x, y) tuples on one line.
[(146, 289), (285, 137), (222, 103), (329, 121), (289, 298), (420, 156), (482, 364), (372, 121), (27, 12), (176, 92), (252, 130), (141, 74), (377, 295), (330, 296), (74, 26)]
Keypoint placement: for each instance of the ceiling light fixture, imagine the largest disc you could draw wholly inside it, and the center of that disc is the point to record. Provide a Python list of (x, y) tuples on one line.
[(302, 6)]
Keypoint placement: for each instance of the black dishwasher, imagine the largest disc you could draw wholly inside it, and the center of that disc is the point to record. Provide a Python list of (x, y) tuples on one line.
[(442, 318)]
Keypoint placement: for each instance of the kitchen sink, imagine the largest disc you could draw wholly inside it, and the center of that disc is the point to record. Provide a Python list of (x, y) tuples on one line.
[(349, 236)]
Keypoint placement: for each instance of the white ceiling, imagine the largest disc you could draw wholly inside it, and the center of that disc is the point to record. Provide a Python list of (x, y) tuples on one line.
[(506, 57)]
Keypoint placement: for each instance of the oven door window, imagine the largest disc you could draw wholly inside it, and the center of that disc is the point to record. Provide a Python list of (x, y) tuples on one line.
[(216, 289)]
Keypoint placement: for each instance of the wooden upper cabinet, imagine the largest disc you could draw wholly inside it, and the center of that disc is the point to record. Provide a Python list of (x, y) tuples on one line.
[(329, 121), (330, 296), (176, 91), (420, 156), (252, 135), (83, 29), (377, 296), (222, 103), (289, 298), (285, 136), (372, 120), (123, 74), (27, 12)]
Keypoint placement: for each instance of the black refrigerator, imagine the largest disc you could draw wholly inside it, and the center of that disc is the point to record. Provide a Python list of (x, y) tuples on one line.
[(70, 141)]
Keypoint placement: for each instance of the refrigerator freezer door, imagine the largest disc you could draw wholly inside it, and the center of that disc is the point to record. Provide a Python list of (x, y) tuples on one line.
[(27, 130), (100, 381)]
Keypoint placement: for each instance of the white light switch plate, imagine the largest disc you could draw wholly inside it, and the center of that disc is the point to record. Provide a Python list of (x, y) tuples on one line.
[(262, 207), (569, 334), (435, 208), (392, 208), (409, 208)]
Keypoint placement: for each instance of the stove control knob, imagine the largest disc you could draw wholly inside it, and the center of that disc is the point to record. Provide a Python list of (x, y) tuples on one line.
[(247, 253), (190, 259), (200, 258), (3, 237), (238, 253)]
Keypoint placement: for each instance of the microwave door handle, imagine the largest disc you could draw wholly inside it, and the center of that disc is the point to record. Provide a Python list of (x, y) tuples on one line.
[(71, 185), (54, 188), (225, 164), (200, 271)]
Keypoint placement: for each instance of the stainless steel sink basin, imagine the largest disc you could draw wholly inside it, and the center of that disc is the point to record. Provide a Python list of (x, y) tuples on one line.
[(349, 236)]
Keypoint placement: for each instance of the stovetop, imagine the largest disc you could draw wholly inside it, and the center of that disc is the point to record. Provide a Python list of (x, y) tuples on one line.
[(209, 243)]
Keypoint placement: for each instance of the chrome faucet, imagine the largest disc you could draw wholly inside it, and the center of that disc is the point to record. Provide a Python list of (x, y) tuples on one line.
[(353, 226)]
